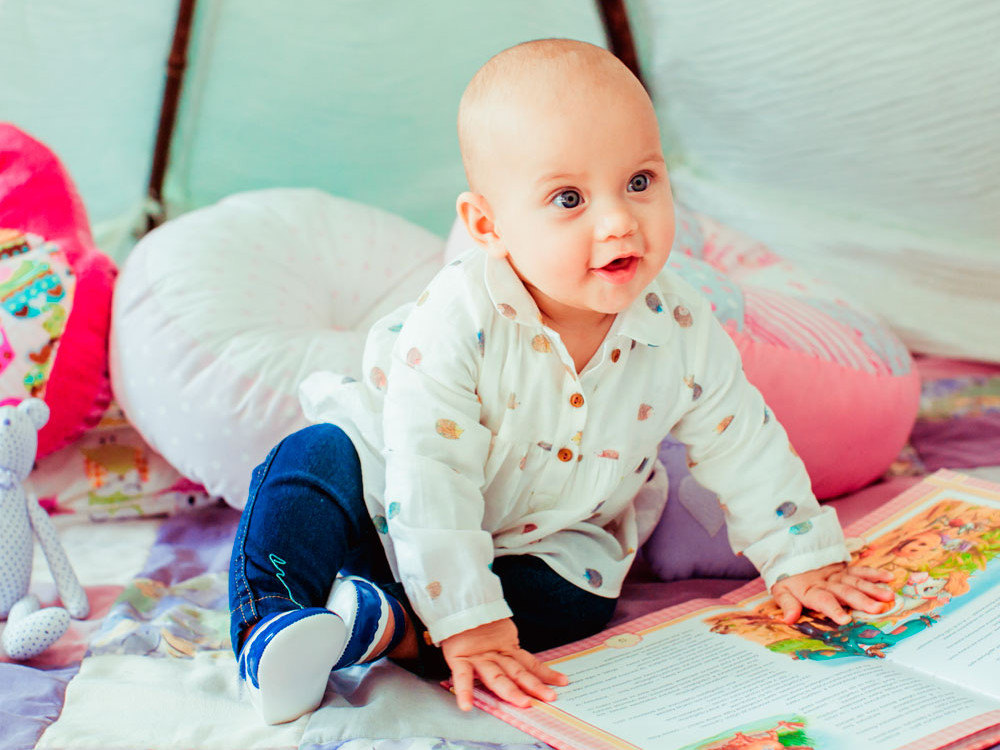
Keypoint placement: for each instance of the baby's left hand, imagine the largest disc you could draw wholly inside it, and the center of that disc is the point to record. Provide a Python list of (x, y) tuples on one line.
[(826, 589)]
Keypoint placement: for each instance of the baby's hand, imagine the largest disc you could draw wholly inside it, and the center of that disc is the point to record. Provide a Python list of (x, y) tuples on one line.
[(492, 652), (826, 589)]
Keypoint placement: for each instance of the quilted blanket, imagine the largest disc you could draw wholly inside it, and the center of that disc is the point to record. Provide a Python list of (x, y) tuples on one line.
[(152, 666)]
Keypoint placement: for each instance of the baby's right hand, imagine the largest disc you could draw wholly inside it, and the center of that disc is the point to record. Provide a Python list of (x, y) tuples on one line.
[(493, 653)]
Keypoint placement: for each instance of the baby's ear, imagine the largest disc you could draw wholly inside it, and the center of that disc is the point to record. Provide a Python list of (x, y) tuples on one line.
[(37, 411), (477, 216)]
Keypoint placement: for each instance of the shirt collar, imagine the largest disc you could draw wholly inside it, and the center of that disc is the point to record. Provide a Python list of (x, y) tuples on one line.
[(646, 320), (508, 294)]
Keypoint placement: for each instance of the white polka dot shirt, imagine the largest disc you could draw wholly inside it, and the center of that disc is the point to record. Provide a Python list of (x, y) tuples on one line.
[(478, 439)]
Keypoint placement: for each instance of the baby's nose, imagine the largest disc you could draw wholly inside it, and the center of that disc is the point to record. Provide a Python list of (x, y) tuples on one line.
[(615, 222)]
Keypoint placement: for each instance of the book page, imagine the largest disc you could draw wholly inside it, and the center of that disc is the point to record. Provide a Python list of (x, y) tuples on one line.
[(683, 686), (922, 673), (948, 554)]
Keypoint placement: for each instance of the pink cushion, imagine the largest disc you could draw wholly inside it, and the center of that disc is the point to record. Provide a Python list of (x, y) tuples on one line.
[(839, 380), (55, 292), (843, 386)]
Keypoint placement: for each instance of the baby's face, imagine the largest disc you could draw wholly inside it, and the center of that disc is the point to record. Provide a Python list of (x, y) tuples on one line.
[(581, 200)]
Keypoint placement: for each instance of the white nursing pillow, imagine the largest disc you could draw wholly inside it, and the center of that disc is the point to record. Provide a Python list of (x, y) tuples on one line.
[(220, 313)]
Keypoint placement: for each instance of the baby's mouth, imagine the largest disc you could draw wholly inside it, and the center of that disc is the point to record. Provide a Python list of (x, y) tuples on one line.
[(620, 270)]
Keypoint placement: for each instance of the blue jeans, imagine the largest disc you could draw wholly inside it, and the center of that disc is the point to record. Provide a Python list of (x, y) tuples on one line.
[(305, 521)]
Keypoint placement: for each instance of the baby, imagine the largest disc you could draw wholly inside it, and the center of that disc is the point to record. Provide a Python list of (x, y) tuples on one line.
[(482, 494)]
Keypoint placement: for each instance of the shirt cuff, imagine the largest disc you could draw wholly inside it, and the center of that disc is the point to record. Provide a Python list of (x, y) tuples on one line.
[(468, 619), (807, 545)]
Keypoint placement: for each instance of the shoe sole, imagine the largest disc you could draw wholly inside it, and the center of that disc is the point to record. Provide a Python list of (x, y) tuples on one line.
[(294, 669)]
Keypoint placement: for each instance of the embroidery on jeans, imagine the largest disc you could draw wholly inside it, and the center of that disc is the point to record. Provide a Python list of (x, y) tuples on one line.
[(277, 562)]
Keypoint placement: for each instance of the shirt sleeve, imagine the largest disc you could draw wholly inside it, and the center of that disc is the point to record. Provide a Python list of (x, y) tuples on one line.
[(737, 449), (435, 452)]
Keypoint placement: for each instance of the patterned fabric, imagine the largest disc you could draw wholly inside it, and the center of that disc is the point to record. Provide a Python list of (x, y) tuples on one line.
[(55, 292), (36, 295), (111, 473), (959, 424), (754, 290)]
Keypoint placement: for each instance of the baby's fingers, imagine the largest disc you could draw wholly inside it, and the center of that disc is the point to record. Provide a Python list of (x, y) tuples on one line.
[(878, 575), (544, 673), (461, 680), (791, 607), (825, 598), (525, 680), (494, 675), (859, 595), (877, 591)]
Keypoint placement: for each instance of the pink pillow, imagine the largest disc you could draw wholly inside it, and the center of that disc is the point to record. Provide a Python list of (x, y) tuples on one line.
[(55, 293), (839, 380)]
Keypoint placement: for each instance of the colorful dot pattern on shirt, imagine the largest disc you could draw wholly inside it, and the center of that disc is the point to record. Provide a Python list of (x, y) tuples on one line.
[(541, 344), (695, 387), (523, 358), (448, 428), (786, 509)]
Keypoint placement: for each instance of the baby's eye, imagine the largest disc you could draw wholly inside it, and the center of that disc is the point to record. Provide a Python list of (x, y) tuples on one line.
[(638, 183), (568, 199)]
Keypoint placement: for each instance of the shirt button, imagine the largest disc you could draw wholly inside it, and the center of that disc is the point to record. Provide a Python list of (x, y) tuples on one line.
[(615, 354), (564, 454), (576, 399)]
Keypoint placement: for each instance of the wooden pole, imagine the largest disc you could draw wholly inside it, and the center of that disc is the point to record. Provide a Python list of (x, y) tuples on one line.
[(616, 24), (176, 65)]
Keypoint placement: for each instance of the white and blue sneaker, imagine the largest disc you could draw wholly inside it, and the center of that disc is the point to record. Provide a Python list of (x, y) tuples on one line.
[(375, 621), (287, 659)]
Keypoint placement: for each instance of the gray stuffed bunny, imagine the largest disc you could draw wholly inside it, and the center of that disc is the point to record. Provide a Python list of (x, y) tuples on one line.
[(30, 629)]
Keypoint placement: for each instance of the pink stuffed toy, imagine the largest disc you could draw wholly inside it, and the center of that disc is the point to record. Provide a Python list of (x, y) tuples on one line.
[(30, 629)]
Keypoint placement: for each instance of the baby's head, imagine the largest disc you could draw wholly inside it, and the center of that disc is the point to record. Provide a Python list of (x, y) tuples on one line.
[(566, 174)]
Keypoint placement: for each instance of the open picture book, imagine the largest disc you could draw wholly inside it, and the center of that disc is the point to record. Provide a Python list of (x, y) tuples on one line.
[(715, 674)]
